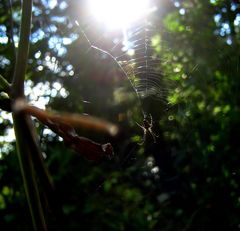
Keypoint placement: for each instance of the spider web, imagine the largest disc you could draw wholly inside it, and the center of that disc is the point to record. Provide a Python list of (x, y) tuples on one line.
[(142, 66), (133, 50), (135, 55)]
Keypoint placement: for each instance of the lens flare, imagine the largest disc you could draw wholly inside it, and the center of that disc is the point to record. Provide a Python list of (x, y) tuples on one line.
[(117, 14)]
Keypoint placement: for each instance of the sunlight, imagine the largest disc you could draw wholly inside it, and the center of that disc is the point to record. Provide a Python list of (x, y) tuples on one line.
[(117, 14)]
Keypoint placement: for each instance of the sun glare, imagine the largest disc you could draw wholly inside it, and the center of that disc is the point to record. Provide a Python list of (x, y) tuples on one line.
[(116, 14)]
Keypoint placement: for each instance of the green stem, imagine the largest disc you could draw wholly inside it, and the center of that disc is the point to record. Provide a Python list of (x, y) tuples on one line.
[(22, 124), (21, 127), (4, 84), (23, 48), (11, 29)]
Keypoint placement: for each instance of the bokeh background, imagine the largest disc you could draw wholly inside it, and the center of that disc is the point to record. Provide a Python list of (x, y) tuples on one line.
[(189, 178)]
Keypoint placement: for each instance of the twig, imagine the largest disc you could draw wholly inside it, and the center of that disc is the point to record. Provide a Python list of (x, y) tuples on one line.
[(11, 30), (4, 84)]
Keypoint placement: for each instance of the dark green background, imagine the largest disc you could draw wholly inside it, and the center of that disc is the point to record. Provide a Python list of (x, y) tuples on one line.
[(198, 123)]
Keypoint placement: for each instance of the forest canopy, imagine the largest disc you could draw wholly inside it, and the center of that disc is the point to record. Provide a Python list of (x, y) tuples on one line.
[(119, 115)]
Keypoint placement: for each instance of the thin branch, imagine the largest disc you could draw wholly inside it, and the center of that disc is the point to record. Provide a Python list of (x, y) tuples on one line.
[(22, 54), (4, 84), (11, 34)]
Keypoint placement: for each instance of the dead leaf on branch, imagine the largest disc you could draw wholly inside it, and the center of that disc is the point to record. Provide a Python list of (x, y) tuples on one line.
[(64, 124)]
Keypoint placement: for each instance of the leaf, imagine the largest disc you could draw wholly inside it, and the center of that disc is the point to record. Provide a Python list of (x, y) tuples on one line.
[(59, 124)]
